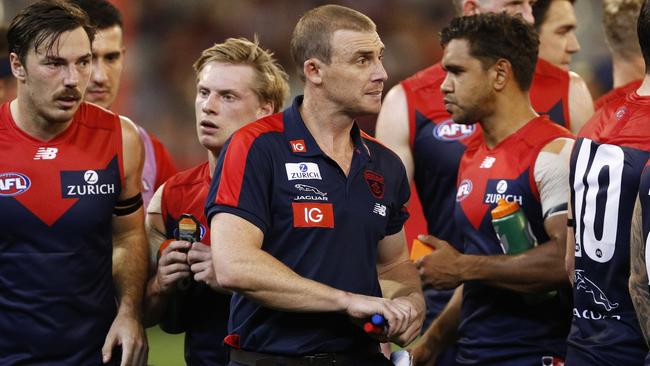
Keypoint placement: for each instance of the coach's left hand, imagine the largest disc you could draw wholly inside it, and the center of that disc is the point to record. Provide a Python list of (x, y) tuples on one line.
[(127, 332), (440, 269)]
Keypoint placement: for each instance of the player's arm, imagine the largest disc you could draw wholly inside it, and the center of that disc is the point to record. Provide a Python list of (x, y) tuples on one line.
[(570, 253), (242, 266), (130, 256), (538, 269), (166, 268), (638, 283), (441, 334), (400, 281), (581, 104), (393, 127)]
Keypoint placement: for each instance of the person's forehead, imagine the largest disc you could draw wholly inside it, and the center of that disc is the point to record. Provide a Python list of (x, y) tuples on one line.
[(73, 43), (350, 41), (560, 11), (224, 75), (108, 37)]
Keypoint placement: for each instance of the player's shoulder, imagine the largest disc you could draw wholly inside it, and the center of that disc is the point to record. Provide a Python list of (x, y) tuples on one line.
[(542, 130), (261, 127), (430, 77), (545, 69), (188, 177), (94, 116), (377, 150)]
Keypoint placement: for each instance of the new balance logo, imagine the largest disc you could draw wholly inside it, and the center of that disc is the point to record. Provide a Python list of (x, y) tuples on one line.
[(379, 209), (488, 162), (46, 153)]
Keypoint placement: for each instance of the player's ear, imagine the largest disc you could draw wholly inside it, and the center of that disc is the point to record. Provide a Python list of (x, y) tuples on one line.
[(502, 72), (17, 67), (266, 109), (312, 68)]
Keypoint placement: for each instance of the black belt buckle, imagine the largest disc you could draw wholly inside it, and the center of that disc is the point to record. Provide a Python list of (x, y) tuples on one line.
[(321, 359)]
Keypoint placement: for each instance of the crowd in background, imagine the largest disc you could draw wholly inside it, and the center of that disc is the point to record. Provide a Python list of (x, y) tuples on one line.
[(164, 36)]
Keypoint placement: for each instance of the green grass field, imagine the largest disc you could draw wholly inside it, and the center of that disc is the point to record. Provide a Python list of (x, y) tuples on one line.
[(165, 349)]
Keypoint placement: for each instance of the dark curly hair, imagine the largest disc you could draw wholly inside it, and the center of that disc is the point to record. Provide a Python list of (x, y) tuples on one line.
[(498, 36)]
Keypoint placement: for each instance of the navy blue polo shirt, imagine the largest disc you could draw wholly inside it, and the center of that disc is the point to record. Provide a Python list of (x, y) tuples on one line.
[(321, 224)]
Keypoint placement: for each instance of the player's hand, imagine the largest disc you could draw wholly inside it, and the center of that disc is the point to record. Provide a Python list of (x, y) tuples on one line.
[(200, 259), (440, 268), (397, 314), (127, 332), (423, 353), (172, 265), (412, 329)]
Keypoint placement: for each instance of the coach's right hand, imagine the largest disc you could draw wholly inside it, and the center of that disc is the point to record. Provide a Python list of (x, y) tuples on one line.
[(398, 314), (172, 265)]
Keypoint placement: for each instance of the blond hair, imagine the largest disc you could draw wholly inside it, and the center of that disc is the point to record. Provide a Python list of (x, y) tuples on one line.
[(270, 79), (620, 18)]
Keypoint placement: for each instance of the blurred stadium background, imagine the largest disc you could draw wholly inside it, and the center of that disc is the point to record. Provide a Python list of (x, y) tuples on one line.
[(164, 37)]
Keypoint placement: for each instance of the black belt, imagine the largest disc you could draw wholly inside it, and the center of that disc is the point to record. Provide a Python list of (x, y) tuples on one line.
[(263, 359)]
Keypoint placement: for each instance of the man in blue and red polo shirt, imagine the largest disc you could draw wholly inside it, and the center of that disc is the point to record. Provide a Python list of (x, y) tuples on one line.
[(306, 212)]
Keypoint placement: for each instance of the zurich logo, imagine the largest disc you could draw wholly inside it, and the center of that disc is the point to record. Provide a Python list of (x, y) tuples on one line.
[(450, 131), (91, 176), (303, 167), (13, 184), (464, 189), (502, 186)]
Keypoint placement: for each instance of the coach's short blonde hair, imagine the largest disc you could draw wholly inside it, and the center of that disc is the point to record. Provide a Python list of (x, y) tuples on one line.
[(271, 80)]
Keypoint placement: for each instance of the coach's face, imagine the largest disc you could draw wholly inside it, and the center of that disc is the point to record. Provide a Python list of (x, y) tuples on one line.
[(354, 78), (467, 86)]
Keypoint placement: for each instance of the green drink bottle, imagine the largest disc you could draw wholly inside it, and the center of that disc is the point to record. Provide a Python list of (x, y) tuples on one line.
[(512, 228), (516, 236)]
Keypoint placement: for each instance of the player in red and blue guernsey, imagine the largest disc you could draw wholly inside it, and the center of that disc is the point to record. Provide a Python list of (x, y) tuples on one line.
[(488, 77), (74, 257), (606, 164), (415, 124), (108, 63), (237, 82), (307, 212)]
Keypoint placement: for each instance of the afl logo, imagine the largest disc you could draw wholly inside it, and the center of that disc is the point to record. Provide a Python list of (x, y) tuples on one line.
[(464, 189), (13, 184), (450, 131)]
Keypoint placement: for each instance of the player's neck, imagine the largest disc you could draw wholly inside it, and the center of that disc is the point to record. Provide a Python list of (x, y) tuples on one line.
[(627, 71), (213, 156), (328, 125), (33, 124), (511, 114), (644, 89)]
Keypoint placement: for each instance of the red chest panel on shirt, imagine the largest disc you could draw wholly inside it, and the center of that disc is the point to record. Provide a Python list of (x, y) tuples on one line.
[(74, 165), (486, 175)]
